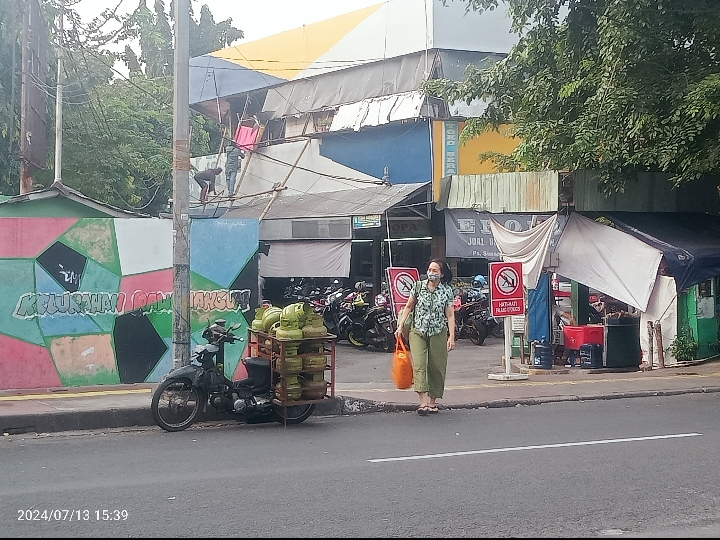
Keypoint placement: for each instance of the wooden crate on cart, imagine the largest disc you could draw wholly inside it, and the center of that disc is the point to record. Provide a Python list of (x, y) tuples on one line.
[(298, 378)]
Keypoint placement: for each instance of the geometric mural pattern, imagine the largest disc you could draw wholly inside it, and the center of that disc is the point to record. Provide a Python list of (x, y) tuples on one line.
[(70, 317)]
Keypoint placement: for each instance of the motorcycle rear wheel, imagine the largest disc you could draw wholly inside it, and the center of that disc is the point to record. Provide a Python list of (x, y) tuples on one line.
[(478, 332), (176, 404), (355, 342), (295, 413)]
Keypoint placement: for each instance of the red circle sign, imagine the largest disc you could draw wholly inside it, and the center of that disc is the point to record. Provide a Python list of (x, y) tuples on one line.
[(403, 284), (507, 281)]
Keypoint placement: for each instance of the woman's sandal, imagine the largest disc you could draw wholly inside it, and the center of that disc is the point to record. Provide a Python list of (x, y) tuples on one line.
[(422, 410), (432, 409)]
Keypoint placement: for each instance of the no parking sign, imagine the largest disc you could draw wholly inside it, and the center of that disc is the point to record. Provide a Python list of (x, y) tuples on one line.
[(401, 281)]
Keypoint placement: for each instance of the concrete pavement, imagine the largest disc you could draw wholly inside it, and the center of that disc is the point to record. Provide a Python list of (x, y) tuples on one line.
[(363, 385)]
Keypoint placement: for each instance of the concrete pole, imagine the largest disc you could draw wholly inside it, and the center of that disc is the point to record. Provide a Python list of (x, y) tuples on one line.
[(26, 169), (59, 95), (181, 188)]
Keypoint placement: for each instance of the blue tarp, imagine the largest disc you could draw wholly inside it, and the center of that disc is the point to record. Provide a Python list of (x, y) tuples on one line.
[(212, 77), (689, 241), (539, 310)]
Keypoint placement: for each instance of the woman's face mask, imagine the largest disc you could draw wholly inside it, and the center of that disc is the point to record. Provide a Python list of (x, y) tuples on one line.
[(434, 276)]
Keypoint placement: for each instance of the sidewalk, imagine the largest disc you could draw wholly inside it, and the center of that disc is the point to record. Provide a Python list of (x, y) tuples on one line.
[(362, 385)]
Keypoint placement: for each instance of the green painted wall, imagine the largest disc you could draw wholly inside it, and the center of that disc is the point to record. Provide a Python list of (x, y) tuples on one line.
[(705, 330)]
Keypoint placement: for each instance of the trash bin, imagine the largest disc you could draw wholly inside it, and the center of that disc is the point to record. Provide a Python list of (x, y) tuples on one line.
[(621, 347)]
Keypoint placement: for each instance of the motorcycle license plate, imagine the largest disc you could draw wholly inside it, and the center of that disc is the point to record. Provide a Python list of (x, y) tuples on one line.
[(383, 318)]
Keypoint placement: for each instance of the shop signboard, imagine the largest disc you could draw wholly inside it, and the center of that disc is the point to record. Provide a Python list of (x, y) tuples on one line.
[(366, 222), (400, 280), (468, 234), (450, 148), (507, 296)]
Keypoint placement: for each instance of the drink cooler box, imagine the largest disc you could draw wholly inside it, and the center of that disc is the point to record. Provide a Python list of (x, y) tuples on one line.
[(575, 336)]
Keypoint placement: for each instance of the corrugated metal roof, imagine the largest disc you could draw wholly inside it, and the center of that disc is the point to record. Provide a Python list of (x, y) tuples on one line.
[(61, 190), (501, 192), (649, 192), (350, 202)]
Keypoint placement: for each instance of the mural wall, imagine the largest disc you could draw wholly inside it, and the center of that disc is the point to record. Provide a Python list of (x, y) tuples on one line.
[(89, 301)]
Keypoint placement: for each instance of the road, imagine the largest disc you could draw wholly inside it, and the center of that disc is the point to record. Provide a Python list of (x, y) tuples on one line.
[(640, 467)]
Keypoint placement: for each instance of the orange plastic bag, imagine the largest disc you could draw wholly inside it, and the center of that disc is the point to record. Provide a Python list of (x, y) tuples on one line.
[(401, 370)]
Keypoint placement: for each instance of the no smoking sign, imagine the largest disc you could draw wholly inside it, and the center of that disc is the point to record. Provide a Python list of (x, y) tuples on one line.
[(506, 289)]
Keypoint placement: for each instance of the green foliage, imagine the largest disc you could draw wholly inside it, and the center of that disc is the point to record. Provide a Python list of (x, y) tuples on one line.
[(10, 25), (619, 86), (684, 346), (117, 131)]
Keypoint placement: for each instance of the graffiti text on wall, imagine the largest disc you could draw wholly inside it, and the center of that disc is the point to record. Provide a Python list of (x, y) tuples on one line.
[(32, 305)]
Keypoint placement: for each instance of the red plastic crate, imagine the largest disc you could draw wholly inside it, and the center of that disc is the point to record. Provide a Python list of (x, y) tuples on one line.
[(574, 336)]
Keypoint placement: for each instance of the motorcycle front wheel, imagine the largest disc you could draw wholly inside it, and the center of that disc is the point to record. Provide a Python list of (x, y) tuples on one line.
[(176, 404), (355, 342), (295, 413)]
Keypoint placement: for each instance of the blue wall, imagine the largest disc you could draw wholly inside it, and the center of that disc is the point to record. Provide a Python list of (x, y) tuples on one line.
[(403, 148)]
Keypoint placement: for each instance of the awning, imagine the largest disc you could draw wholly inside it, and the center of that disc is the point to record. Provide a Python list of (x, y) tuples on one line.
[(689, 241), (377, 111), (316, 259), (361, 201), (608, 260)]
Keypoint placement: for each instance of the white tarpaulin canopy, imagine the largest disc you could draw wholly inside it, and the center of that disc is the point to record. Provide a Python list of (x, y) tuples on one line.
[(662, 308), (528, 247), (608, 260), (317, 258)]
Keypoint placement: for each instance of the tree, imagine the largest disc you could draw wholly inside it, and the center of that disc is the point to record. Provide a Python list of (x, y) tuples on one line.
[(117, 129), (10, 26), (619, 86)]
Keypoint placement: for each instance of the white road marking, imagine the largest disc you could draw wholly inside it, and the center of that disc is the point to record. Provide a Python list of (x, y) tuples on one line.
[(535, 447)]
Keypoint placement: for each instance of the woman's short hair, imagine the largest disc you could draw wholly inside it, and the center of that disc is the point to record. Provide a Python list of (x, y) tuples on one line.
[(447, 274)]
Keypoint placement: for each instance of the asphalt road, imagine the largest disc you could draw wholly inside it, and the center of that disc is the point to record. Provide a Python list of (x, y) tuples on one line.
[(575, 469)]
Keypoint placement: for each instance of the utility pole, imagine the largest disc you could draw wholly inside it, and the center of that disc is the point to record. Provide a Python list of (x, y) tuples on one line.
[(26, 169), (59, 95), (181, 187)]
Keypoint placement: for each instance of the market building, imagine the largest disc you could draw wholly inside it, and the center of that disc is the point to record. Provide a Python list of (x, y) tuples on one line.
[(335, 110)]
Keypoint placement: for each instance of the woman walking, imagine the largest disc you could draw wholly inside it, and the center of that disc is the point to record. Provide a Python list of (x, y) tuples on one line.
[(432, 333)]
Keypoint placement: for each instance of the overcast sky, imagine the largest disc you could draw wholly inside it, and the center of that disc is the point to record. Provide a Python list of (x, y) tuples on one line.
[(256, 18)]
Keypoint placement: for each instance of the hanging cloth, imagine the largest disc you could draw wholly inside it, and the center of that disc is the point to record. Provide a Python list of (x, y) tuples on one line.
[(528, 247)]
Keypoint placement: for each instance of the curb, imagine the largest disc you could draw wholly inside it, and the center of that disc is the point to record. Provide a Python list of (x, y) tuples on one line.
[(338, 406)]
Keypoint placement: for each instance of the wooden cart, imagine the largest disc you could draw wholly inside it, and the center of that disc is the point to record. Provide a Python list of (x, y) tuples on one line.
[(264, 345)]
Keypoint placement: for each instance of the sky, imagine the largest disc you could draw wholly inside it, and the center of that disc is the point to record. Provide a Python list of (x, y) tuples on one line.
[(256, 18)]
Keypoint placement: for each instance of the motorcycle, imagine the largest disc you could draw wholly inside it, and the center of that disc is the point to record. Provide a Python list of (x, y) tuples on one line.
[(468, 320), (336, 312), (187, 390), (376, 327)]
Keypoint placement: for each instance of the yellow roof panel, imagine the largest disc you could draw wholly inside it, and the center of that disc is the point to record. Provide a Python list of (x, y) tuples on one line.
[(288, 53)]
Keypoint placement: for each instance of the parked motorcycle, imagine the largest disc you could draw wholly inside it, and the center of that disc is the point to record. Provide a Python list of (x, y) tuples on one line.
[(184, 391), (336, 312), (468, 320), (376, 327)]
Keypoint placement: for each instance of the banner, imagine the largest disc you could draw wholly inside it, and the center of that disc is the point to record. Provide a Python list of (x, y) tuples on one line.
[(468, 234)]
